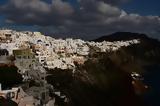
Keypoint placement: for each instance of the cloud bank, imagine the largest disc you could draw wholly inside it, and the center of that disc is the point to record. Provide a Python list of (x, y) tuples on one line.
[(88, 19)]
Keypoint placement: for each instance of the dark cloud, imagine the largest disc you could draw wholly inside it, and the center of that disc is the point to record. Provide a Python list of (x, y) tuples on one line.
[(93, 17), (36, 12)]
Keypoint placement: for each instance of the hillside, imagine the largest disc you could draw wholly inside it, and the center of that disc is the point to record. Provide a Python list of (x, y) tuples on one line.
[(149, 48), (105, 78), (118, 36)]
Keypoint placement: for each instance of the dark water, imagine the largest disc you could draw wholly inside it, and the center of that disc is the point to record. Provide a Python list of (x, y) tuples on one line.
[(152, 79)]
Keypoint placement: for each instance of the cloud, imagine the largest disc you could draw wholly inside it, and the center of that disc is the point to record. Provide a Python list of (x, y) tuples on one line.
[(36, 12), (62, 8), (107, 9), (35, 5), (89, 19)]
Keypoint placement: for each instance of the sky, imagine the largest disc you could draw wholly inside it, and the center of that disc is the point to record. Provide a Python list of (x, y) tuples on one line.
[(87, 19)]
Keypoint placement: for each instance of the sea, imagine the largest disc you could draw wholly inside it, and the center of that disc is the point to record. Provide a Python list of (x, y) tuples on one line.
[(152, 79)]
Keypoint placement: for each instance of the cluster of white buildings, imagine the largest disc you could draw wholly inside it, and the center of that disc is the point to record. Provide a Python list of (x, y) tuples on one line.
[(54, 53), (112, 46)]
